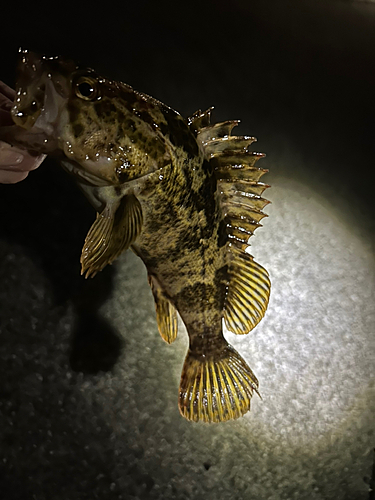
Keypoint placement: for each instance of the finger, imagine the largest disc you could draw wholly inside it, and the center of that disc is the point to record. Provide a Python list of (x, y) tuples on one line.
[(5, 103), (10, 157), (9, 177), (18, 160), (30, 162), (7, 91), (27, 164)]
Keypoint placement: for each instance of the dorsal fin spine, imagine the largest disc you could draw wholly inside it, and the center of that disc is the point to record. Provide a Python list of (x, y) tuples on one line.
[(216, 131), (200, 120)]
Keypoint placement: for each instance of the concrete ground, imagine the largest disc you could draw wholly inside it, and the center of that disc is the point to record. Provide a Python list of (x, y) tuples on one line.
[(88, 391)]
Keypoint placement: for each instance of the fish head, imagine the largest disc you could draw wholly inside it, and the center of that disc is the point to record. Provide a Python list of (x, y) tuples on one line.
[(94, 124), (41, 92)]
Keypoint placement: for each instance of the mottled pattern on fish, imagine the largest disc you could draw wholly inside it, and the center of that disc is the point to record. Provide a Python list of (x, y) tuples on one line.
[(184, 195)]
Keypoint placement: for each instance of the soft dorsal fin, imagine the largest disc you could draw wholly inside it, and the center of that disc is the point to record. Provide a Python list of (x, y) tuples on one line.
[(114, 230), (240, 193), (166, 315), (248, 292)]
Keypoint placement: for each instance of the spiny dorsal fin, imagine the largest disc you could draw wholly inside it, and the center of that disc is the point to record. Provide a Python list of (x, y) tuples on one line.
[(166, 315), (240, 192), (228, 143), (216, 131), (199, 120), (236, 163), (114, 230), (248, 292)]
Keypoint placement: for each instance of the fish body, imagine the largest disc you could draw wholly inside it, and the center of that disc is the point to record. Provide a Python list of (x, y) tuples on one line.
[(184, 195)]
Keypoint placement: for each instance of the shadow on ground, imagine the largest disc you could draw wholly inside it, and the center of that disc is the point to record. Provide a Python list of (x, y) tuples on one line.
[(49, 224)]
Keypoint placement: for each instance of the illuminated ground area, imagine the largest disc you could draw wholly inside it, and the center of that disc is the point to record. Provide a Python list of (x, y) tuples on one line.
[(313, 355), (120, 432)]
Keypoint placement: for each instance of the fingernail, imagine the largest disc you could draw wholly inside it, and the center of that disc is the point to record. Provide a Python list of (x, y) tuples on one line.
[(10, 158)]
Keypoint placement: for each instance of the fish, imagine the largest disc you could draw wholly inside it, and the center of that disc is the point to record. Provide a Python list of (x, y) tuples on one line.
[(183, 194)]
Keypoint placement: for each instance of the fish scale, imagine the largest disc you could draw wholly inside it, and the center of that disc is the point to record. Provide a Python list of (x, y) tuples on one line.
[(184, 195)]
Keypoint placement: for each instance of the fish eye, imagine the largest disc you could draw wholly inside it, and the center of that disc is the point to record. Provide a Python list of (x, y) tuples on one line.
[(86, 88)]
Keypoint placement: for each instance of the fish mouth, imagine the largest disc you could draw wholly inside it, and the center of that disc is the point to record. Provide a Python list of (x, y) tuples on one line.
[(42, 91)]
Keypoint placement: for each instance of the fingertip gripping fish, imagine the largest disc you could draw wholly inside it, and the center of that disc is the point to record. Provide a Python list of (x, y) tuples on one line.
[(184, 195)]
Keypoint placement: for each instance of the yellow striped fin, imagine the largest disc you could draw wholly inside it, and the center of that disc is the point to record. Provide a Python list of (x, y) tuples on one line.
[(114, 230), (166, 315), (248, 293), (216, 388)]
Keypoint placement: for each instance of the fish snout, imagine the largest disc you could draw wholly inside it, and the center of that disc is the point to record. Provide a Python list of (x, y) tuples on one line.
[(29, 98), (41, 92)]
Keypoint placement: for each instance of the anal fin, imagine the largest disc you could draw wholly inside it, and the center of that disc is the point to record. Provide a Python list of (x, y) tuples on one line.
[(166, 315)]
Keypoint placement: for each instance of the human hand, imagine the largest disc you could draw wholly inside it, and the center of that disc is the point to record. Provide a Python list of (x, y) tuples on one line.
[(15, 163)]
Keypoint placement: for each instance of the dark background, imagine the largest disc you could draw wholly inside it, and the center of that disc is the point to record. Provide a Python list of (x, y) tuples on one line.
[(299, 75), (297, 69)]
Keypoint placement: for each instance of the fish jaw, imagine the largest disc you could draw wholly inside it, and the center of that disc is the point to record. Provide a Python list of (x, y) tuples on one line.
[(38, 109)]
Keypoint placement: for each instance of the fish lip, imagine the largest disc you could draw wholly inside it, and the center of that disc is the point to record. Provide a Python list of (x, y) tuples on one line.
[(38, 86)]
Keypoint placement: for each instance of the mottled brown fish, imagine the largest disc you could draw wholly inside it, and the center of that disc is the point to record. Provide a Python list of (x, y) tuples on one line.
[(184, 195)]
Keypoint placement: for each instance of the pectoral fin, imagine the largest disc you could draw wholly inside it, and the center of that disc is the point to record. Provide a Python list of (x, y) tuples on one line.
[(114, 230), (166, 315)]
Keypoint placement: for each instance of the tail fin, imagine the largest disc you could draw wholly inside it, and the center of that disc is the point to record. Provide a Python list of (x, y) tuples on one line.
[(216, 388)]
